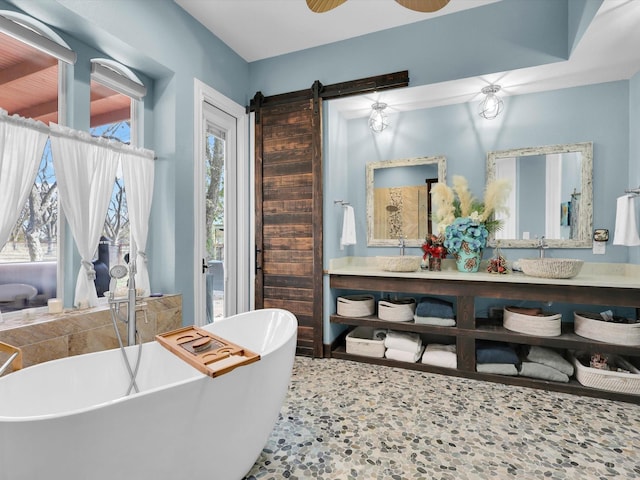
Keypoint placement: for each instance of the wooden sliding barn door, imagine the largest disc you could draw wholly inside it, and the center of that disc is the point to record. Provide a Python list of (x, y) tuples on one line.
[(288, 194), (289, 211)]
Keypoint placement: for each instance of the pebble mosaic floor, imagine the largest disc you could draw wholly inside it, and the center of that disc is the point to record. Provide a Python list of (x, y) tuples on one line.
[(345, 420)]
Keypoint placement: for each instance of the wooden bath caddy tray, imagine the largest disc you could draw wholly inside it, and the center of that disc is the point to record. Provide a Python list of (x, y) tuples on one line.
[(212, 355)]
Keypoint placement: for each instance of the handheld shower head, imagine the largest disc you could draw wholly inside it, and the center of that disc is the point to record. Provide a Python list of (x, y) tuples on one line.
[(116, 273)]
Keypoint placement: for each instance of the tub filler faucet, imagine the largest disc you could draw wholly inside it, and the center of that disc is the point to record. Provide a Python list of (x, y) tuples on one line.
[(117, 272)]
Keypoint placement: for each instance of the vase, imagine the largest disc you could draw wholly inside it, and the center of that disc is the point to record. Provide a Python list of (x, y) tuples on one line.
[(467, 258), (435, 264)]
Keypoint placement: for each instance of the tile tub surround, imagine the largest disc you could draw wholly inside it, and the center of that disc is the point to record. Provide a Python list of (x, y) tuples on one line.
[(43, 336), (347, 420)]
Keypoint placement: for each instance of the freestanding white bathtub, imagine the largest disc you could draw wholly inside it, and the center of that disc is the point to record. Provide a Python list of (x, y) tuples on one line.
[(68, 419)]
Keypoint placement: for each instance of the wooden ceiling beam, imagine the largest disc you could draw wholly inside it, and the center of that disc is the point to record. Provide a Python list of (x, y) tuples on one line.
[(25, 69), (111, 117), (40, 110), (102, 94)]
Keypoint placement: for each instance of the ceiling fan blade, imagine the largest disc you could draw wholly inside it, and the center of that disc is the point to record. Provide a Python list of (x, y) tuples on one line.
[(321, 6), (424, 6)]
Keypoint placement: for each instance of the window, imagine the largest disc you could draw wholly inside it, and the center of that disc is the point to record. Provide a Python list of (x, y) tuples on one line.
[(115, 98), (33, 69)]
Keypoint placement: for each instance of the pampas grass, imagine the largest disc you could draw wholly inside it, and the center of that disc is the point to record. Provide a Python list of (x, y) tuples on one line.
[(450, 203), (444, 203), (495, 197), (466, 200)]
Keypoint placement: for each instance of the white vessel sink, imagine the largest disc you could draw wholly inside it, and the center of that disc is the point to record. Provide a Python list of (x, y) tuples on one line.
[(399, 263), (551, 267)]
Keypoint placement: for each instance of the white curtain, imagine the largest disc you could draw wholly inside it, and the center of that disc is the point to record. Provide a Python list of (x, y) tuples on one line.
[(137, 168), (85, 170), (22, 143)]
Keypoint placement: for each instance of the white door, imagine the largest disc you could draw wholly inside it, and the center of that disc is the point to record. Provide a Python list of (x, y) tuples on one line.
[(218, 202), (222, 207)]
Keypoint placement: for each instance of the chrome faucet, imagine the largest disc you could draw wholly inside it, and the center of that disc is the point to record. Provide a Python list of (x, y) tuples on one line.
[(131, 303), (542, 246), (117, 272), (401, 245)]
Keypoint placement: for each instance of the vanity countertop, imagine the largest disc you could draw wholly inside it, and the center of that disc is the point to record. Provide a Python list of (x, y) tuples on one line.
[(617, 275)]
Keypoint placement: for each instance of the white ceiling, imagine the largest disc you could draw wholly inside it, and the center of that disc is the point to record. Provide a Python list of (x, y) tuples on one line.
[(257, 29)]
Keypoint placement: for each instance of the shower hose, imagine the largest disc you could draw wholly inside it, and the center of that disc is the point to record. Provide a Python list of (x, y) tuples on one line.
[(133, 372)]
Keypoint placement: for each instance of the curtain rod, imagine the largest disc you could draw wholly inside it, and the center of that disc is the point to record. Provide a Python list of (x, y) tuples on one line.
[(68, 132), (24, 122), (86, 137)]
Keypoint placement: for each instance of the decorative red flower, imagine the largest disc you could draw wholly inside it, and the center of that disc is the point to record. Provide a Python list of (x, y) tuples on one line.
[(434, 247)]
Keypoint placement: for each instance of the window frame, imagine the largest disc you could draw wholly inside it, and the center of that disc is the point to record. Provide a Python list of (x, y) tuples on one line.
[(122, 80), (36, 34)]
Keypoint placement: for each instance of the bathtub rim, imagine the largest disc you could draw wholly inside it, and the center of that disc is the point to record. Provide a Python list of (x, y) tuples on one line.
[(152, 344)]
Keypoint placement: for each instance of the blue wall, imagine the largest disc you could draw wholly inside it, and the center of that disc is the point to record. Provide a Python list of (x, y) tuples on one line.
[(168, 49), (435, 50), (597, 113)]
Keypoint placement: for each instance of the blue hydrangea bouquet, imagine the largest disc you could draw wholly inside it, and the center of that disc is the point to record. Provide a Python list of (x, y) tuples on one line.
[(466, 222)]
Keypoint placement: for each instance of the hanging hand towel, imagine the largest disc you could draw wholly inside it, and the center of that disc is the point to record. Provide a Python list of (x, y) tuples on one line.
[(348, 227), (626, 232)]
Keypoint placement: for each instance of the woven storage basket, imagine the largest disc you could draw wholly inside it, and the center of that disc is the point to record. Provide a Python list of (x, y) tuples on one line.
[(400, 310), (542, 325), (591, 325), (356, 305), (361, 341), (607, 380)]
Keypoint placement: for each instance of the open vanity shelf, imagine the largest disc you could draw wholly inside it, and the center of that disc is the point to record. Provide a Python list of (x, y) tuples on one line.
[(468, 328)]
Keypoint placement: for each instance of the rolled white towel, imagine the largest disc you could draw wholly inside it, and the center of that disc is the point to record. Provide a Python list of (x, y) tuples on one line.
[(403, 356), (440, 355), (406, 341)]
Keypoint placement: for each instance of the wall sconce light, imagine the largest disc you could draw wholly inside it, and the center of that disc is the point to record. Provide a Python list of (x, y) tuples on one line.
[(492, 104), (378, 120)]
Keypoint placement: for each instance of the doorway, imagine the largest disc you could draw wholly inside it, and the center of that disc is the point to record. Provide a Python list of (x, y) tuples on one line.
[(219, 149), (221, 200)]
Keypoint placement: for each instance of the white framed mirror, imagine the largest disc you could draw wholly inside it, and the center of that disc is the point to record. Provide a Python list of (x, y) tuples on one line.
[(398, 199), (551, 196)]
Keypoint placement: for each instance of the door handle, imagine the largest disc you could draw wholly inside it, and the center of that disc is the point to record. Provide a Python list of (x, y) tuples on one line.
[(205, 267), (258, 267)]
